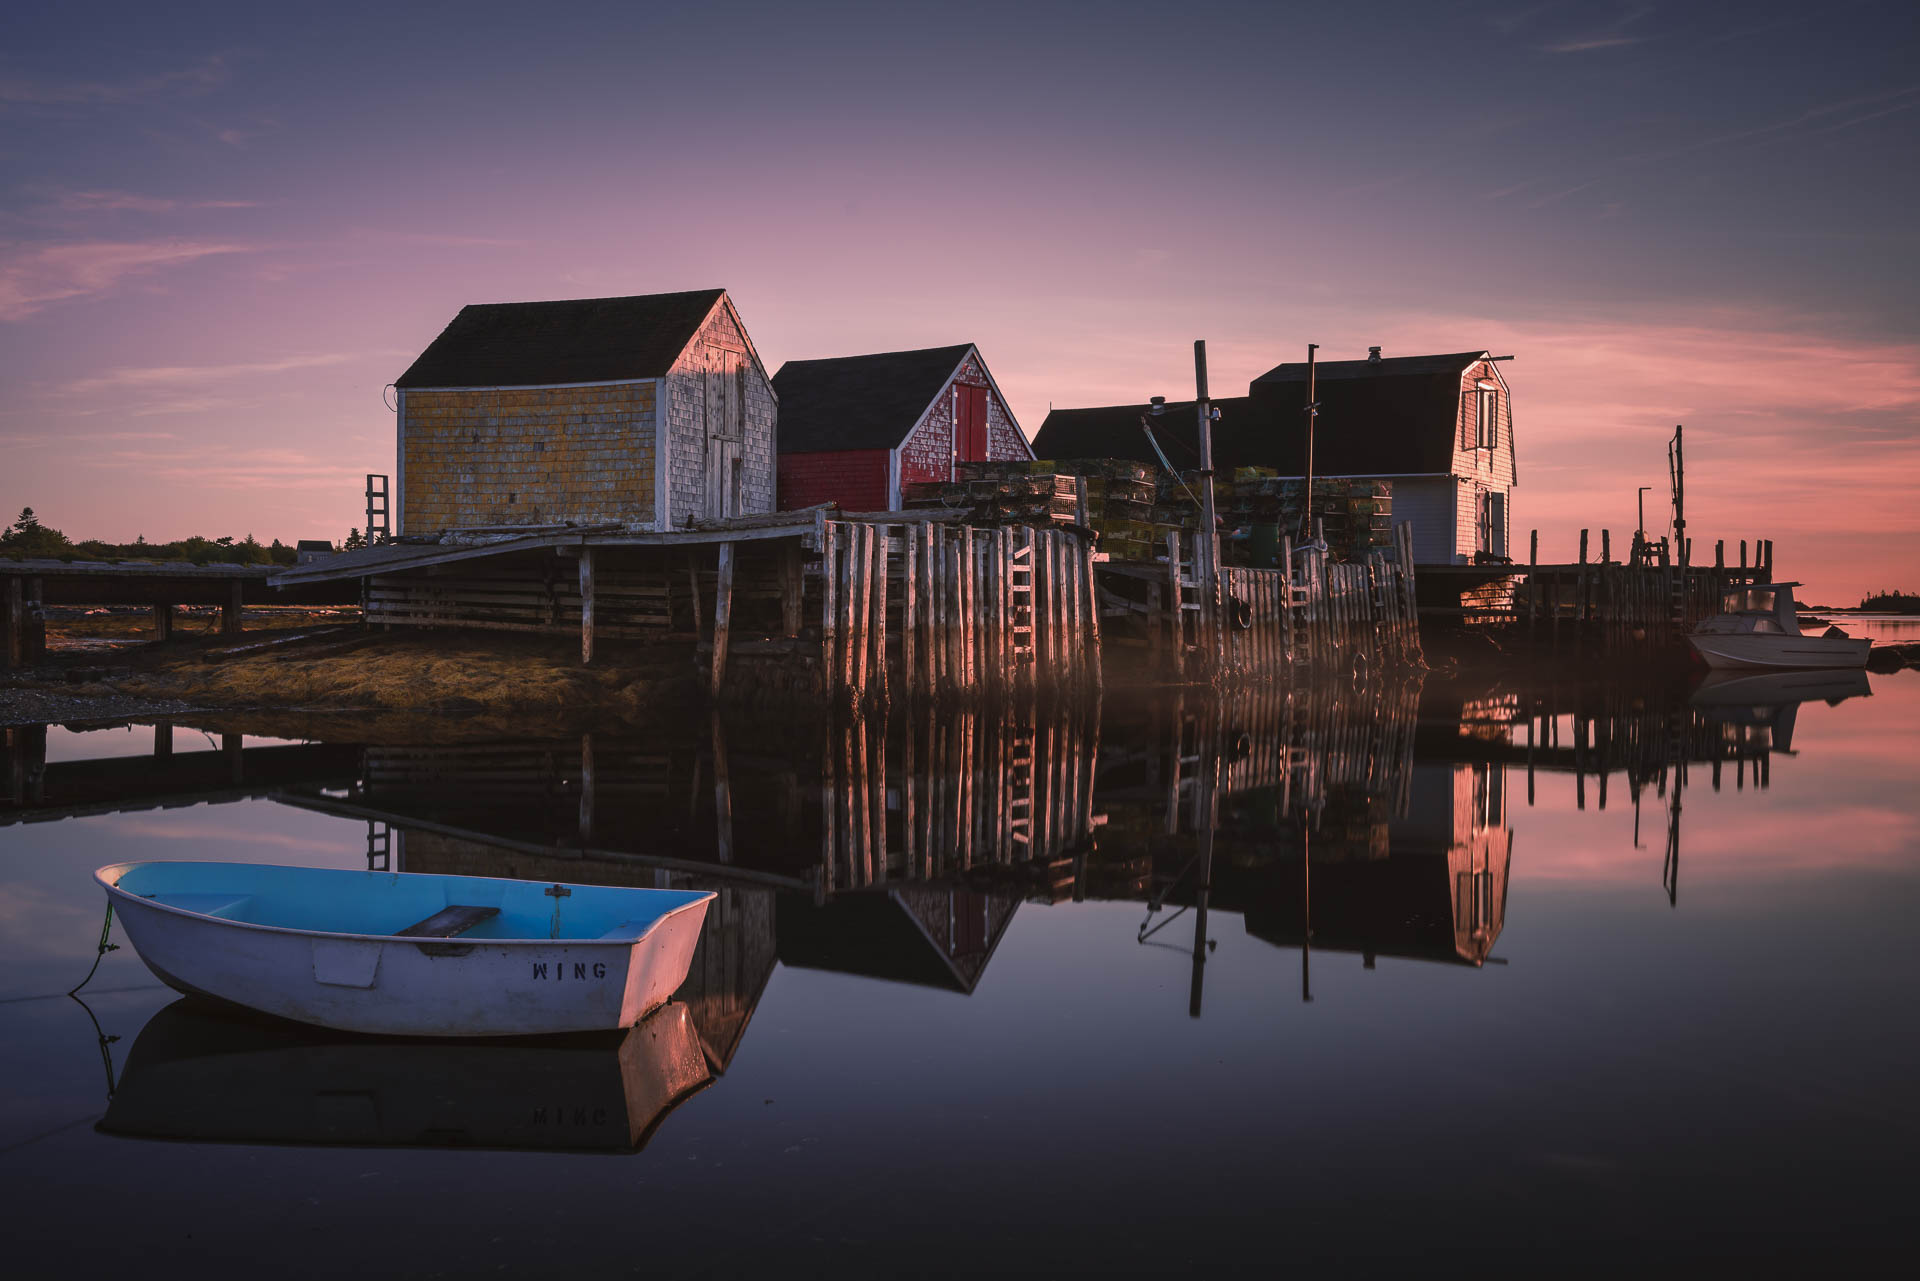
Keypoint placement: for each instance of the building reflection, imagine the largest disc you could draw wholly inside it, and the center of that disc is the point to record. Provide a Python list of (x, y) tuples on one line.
[(1362, 821)]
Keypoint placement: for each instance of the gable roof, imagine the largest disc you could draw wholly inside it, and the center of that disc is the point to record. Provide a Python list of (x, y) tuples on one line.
[(1386, 367), (1395, 416), (579, 340), (860, 402), (1113, 431)]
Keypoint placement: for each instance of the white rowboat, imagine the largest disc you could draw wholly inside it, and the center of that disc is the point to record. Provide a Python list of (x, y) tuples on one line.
[(408, 955)]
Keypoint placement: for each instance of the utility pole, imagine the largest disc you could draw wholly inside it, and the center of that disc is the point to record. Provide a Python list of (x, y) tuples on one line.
[(1209, 527), (1313, 413), (1640, 527)]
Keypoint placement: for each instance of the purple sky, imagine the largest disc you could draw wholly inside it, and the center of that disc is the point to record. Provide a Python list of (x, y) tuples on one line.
[(224, 230)]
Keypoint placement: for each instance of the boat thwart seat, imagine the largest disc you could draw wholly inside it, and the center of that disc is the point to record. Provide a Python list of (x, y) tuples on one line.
[(450, 921)]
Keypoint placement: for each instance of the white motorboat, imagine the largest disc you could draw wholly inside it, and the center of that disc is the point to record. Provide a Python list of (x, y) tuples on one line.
[(1761, 628), (408, 955)]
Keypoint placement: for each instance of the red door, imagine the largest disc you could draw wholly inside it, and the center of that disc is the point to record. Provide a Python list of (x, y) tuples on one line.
[(969, 423)]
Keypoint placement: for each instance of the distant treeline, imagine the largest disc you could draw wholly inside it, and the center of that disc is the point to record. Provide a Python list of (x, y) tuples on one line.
[(1892, 603), (28, 539)]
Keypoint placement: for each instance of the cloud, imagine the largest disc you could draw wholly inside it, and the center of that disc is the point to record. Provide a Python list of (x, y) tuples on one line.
[(31, 277), (283, 471), (69, 201), (161, 376), (1587, 46), (203, 77)]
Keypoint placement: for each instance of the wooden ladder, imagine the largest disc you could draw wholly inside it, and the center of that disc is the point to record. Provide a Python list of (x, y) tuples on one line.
[(1020, 794), (1020, 606)]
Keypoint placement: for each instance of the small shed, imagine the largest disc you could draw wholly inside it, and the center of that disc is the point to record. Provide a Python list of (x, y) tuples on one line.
[(309, 550), (647, 412), (854, 429)]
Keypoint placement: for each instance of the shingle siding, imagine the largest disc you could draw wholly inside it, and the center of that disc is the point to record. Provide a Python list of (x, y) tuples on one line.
[(527, 456), (927, 453), (689, 384), (854, 478)]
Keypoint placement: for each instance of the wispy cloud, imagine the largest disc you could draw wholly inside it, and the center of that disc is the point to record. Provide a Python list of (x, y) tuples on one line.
[(1611, 36), (142, 378), (108, 201), (203, 77), (33, 276), (1588, 46)]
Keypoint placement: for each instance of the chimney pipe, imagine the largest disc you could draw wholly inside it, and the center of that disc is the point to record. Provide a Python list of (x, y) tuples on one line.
[(1373, 355)]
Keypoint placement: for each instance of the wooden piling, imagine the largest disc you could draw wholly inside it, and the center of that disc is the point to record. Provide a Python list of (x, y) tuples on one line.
[(829, 606), (884, 535), (586, 604), (909, 562), (722, 614)]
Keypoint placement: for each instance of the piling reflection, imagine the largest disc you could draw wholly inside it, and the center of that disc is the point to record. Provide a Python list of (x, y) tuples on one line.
[(1355, 821), (201, 1073)]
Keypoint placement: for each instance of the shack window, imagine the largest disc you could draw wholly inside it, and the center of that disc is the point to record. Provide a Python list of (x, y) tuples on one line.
[(1488, 418)]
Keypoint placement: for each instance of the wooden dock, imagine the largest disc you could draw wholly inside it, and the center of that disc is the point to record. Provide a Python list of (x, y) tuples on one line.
[(1646, 603), (29, 586)]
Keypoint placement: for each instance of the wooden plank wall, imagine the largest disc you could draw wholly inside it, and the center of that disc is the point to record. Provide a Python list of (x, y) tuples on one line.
[(929, 609)]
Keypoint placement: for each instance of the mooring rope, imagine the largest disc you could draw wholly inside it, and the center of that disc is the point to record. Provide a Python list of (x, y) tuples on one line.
[(106, 929)]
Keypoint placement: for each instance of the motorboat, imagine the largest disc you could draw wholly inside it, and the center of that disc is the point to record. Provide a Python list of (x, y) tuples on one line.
[(207, 1074), (406, 954), (1760, 627)]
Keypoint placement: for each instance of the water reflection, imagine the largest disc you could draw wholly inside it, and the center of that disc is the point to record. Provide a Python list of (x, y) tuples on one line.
[(1368, 820), (201, 1073)]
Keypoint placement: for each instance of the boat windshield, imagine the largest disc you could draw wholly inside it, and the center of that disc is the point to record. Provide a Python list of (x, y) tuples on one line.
[(1751, 600)]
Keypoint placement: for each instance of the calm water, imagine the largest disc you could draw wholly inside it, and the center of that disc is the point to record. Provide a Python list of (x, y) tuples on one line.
[(1593, 977)]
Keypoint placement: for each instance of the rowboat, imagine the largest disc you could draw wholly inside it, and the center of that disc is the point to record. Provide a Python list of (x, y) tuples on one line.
[(1760, 627), (408, 955), (202, 1073)]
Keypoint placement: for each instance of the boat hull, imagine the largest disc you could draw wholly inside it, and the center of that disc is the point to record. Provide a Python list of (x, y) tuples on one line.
[(409, 986), (1764, 649)]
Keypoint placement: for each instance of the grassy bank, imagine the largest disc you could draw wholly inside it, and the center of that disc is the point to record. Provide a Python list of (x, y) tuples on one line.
[(516, 680)]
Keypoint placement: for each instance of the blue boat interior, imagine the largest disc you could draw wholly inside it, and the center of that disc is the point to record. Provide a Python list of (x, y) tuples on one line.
[(387, 903)]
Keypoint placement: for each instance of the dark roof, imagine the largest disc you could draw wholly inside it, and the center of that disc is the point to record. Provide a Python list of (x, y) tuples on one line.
[(580, 340), (1114, 432), (859, 402), (313, 545), (1393, 418), (1387, 367)]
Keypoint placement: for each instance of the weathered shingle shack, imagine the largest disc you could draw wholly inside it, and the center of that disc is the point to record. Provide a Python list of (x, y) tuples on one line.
[(647, 412), (854, 429), (1440, 428)]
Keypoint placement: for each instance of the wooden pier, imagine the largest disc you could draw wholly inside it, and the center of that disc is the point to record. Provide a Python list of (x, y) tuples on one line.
[(1645, 603), (27, 587)]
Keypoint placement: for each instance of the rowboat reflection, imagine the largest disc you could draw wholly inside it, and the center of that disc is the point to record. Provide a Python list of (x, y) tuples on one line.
[(202, 1073)]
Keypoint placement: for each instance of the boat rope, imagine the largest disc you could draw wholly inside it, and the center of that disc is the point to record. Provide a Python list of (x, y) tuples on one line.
[(106, 929)]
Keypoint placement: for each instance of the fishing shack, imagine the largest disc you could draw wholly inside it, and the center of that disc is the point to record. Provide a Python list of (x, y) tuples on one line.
[(855, 430)]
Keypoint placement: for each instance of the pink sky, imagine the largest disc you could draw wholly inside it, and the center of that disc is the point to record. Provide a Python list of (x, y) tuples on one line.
[(219, 243)]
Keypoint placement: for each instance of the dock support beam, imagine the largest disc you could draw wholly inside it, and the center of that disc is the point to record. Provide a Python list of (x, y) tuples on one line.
[(722, 616), (13, 639), (586, 605), (230, 611), (163, 622)]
